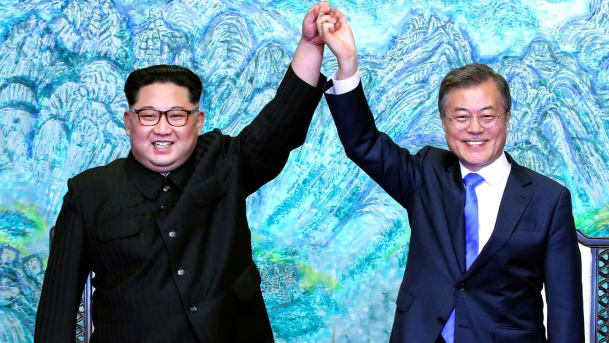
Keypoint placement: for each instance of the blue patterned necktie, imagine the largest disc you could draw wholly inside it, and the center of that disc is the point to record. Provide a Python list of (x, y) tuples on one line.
[(470, 212)]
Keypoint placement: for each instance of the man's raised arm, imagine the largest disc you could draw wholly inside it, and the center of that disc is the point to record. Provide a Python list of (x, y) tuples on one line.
[(282, 124), (392, 167)]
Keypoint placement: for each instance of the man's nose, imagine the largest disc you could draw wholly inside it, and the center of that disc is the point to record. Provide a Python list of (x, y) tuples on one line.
[(474, 125), (163, 127)]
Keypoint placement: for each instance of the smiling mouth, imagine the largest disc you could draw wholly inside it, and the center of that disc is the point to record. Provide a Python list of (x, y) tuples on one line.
[(162, 145), (475, 143)]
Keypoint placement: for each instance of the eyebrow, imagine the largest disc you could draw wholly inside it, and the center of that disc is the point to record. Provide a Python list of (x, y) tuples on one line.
[(153, 108), (468, 111)]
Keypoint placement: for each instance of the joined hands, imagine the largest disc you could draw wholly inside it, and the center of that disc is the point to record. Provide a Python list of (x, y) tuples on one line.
[(324, 25), (336, 33)]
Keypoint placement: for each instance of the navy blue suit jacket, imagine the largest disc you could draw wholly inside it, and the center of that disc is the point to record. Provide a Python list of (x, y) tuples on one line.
[(498, 299)]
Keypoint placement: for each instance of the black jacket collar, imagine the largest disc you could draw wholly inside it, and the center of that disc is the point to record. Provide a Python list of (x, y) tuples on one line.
[(150, 182)]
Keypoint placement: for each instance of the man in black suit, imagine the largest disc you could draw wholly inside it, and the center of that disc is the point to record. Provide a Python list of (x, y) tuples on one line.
[(486, 233), (165, 229)]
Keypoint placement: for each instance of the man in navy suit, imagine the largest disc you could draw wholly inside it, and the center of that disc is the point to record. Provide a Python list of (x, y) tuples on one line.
[(487, 233)]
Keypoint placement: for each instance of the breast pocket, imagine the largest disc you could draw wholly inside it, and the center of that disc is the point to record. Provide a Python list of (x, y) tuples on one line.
[(115, 229), (119, 243)]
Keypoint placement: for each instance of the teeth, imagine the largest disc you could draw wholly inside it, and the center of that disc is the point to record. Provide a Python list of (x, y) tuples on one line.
[(162, 145), (474, 143)]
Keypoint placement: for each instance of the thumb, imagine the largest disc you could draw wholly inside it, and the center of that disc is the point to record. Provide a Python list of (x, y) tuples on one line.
[(327, 34), (341, 18), (311, 14)]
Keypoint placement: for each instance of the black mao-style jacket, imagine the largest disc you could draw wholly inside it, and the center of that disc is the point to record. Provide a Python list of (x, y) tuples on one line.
[(172, 255)]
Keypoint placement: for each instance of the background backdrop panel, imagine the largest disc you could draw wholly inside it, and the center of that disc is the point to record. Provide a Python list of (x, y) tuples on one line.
[(330, 244)]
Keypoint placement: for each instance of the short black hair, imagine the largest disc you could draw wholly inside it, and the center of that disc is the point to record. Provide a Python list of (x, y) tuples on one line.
[(163, 73), (472, 75)]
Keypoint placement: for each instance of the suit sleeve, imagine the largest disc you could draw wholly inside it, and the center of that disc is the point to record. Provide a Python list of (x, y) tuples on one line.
[(280, 127), (392, 167), (563, 277), (64, 278)]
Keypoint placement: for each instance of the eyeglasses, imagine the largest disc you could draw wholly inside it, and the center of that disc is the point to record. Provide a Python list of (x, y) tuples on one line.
[(487, 120), (151, 117)]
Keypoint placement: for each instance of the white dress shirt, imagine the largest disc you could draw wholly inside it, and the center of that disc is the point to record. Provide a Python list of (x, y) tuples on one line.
[(489, 192), (344, 86)]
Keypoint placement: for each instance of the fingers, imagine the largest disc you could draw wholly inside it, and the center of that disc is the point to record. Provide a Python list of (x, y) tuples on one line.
[(326, 19), (324, 7), (327, 33), (338, 14), (330, 26), (311, 15), (325, 25), (336, 33), (337, 24), (321, 8), (341, 18)]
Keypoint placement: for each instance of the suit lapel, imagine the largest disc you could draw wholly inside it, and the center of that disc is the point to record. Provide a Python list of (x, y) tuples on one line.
[(453, 197), (516, 198)]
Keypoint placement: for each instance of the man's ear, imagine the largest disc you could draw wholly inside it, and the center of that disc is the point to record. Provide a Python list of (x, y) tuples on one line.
[(443, 122), (201, 120), (127, 123)]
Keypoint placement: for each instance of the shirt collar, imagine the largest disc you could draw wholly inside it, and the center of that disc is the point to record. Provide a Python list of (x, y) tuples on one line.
[(150, 183), (493, 173), (179, 177)]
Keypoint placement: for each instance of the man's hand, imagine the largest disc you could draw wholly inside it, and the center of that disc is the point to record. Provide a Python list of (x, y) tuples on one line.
[(336, 33), (309, 53), (310, 31)]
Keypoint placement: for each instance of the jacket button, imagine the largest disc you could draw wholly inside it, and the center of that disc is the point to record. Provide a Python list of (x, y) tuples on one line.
[(440, 320), (181, 272), (172, 234), (193, 309), (460, 287), (163, 207), (166, 188)]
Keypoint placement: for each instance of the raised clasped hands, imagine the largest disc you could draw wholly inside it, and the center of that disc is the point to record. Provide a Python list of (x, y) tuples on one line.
[(335, 31), (310, 31), (309, 53), (324, 25)]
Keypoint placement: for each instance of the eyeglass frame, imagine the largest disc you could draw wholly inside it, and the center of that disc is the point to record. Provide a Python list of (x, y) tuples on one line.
[(161, 113), (470, 118)]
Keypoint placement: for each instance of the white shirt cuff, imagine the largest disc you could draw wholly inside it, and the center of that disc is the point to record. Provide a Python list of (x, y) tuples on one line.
[(343, 86)]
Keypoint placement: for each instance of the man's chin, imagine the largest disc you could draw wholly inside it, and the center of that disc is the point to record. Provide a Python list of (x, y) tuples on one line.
[(161, 166), (477, 163)]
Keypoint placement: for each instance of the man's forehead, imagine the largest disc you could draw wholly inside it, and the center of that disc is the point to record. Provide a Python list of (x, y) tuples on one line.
[(162, 92), (486, 84), (481, 96)]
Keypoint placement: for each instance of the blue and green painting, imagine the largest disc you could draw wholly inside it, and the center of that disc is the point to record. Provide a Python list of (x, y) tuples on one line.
[(330, 244)]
